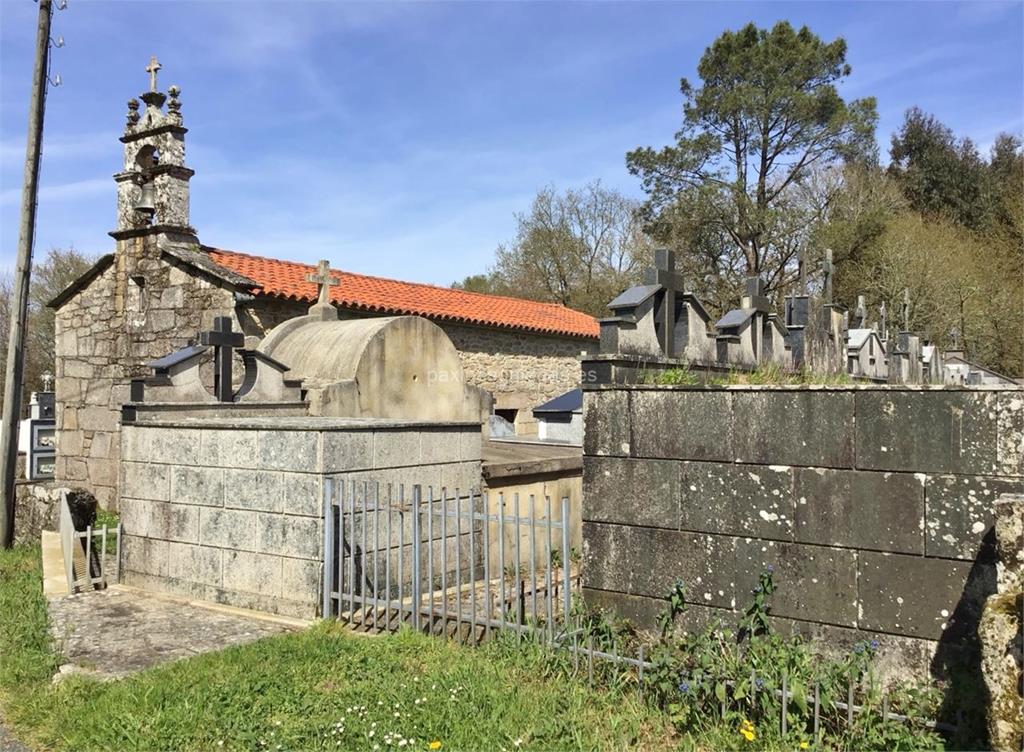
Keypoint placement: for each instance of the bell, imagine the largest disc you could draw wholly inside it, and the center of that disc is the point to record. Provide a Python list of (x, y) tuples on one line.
[(145, 203)]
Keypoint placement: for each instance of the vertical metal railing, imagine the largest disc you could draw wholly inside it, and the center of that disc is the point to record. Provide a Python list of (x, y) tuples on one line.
[(428, 562)]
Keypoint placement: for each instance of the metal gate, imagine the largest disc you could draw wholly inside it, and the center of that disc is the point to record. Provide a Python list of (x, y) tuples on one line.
[(461, 563)]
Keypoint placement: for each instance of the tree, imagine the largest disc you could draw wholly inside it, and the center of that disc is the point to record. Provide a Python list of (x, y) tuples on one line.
[(488, 284), (939, 174), (579, 248), (766, 116), (57, 271)]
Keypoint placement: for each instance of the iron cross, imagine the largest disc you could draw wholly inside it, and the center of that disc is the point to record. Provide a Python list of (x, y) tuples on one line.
[(151, 69), (224, 342), (324, 281)]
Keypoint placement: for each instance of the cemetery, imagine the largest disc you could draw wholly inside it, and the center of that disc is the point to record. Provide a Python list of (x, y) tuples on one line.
[(789, 512)]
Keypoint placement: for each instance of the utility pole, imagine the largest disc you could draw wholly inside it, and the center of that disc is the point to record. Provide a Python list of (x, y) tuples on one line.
[(22, 275)]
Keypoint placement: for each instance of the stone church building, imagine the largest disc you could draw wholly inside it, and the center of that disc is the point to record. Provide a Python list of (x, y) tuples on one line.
[(160, 287)]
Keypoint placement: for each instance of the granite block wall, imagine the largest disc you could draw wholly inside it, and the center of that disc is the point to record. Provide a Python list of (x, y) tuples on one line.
[(874, 505), (232, 511)]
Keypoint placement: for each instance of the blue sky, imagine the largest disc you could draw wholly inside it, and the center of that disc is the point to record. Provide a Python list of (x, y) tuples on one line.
[(399, 139)]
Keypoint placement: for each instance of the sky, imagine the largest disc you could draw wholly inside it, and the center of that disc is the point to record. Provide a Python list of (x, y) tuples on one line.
[(400, 139)]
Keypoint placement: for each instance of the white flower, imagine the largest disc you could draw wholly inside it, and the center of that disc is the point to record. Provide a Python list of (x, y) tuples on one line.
[(403, 742)]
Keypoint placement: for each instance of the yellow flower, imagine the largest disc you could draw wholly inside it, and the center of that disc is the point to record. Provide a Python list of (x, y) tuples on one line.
[(803, 745), (747, 730), (435, 744)]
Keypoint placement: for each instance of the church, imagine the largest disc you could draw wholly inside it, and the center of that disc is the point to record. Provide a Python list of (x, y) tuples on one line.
[(161, 286)]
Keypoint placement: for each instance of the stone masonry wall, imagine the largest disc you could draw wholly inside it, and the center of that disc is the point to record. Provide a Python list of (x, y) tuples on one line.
[(520, 369), (232, 511), (104, 337), (873, 504)]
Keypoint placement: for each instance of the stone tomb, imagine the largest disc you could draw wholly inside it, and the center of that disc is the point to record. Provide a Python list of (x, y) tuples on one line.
[(222, 494)]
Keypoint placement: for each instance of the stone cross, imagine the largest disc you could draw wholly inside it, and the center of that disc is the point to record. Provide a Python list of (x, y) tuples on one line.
[(324, 281), (151, 69), (664, 274), (860, 315), (224, 342), (906, 309), (801, 263), (827, 270), (881, 312)]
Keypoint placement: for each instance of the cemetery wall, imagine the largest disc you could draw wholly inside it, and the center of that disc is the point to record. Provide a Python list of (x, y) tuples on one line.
[(874, 505), (123, 319), (231, 511)]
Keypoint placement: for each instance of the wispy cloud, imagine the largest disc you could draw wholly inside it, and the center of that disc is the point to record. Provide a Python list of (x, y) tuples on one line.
[(63, 192)]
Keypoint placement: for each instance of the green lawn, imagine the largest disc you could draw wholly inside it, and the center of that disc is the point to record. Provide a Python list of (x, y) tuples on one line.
[(319, 689)]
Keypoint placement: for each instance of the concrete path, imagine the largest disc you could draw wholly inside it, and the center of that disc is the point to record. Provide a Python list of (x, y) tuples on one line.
[(115, 632), (8, 743)]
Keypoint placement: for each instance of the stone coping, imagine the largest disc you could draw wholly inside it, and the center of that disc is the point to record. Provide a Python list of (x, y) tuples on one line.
[(804, 387), (299, 423)]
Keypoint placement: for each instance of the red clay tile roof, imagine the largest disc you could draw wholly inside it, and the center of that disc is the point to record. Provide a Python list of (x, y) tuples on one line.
[(287, 279)]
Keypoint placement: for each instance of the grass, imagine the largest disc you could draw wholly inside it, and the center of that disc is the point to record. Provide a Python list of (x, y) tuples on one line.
[(314, 690), (766, 374)]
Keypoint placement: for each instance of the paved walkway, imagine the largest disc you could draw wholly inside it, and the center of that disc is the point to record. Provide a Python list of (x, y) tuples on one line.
[(115, 632), (9, 744)]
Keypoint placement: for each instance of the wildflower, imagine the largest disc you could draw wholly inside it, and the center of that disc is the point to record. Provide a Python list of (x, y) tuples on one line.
[(759, 682), (803, 745), (874, 644), (402, 742), (436, 744), (684, 686), (747, 730), (770, 569), (858, 648)]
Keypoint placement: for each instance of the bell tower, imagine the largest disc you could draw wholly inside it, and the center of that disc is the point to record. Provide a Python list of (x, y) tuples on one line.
[(152, 188)]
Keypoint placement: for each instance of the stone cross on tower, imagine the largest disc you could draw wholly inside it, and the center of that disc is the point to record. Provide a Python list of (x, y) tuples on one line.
[(827, 270), (664, 274), (224, 342), (882, 314), (151, 69)]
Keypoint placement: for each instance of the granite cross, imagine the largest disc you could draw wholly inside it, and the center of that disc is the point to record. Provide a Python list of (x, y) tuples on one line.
[(324, 281), (151, 69), (861, 314), (881, 312), (224, 342), (827, 270), (664, 274)]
